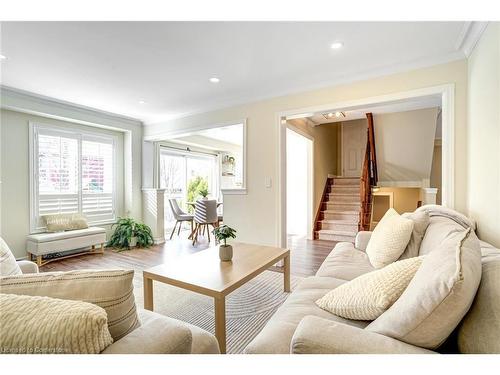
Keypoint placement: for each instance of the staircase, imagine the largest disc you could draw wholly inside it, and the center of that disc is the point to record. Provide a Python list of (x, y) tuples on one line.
[(338, 216)]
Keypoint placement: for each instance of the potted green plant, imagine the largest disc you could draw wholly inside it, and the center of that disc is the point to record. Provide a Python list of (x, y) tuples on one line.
[(129, 233), (203, 191), (223, 233)]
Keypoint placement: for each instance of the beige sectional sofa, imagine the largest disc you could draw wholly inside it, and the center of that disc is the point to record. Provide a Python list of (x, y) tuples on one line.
[(300, 326), (156, 333)]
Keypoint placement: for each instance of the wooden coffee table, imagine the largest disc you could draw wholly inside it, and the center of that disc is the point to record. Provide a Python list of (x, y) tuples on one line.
[(204, 273)]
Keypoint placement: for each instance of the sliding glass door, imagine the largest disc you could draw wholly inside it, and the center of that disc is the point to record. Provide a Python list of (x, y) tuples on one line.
[(182, 175)]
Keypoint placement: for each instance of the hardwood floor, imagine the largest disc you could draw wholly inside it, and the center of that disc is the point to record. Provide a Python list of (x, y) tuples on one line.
[(306, 256)]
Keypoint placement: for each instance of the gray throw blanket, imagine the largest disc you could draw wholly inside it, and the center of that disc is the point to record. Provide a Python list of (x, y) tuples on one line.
[(436, 210)]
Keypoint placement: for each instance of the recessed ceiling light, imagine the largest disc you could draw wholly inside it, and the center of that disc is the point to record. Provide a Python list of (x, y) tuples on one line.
[(2, 57), (142, 102), (214, 80), (336, 45)]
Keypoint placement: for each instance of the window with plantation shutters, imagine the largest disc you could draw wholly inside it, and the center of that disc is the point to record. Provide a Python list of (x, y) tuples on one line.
[(72, 173), (97, 180)]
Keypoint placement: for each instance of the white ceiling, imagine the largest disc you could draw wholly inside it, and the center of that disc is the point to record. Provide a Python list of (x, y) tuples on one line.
[(226, 138), (430, 101), (113, 65)]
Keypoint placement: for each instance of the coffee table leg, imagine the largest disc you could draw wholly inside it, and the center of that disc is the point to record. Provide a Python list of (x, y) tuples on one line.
[(286, 273), (148, 293), (220, 322)]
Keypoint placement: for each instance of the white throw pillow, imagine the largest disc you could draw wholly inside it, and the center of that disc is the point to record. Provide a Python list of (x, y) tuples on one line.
[(8, 264), (38, 325), (370, 295), (389, 239)]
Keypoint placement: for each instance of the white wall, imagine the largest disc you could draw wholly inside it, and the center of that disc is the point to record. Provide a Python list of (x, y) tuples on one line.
[(14, 168), (255, 215), (405, 145), (298, 159), (326, 154), (483, 162)]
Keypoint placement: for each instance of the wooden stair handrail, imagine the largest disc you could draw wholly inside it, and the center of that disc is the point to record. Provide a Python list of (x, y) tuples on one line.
[(369, 176), (319, 212)]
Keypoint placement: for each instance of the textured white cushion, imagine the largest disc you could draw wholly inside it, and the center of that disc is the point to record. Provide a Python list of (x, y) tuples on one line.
[(110, 289), (35, 325), (62, 222), (8, 264), (389, 239), (368, 296), (439, 295)]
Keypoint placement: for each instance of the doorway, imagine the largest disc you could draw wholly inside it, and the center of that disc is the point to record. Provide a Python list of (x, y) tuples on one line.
[(299, 161)]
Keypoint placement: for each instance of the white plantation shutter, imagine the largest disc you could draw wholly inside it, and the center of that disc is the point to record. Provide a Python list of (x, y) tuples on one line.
[(97, 179), (57, 175), (73, 173)]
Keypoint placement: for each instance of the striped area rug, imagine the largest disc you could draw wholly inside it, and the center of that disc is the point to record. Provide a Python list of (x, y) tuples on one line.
[(247, 309)]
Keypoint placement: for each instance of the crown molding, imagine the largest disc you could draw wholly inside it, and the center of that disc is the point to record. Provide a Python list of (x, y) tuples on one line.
[(28, 102), (469, 36), (325, 83)]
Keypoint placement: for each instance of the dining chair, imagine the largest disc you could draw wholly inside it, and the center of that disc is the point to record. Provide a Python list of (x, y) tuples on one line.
[(205, 214), (179, 216)]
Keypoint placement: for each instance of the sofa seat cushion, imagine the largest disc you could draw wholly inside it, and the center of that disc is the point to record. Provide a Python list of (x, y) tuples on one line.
[(276, 337), (55, 236), (345, 262), (202, 342)]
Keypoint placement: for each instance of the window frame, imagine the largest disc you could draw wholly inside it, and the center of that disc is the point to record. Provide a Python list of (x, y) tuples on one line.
[(80, 135)]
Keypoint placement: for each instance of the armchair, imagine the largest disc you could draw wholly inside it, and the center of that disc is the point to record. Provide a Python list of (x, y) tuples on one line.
[(27, 267)]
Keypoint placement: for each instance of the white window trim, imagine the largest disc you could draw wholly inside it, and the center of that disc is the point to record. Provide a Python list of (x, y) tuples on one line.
[(34, 127), (187, 131)]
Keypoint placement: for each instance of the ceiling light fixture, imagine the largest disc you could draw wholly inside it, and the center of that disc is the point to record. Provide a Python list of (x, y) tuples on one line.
[(337, 114), (336, 45), (2, 57), (214, 80), (142, 102)]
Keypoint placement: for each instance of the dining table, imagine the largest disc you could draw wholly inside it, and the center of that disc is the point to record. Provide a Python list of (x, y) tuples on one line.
[(193, 204)]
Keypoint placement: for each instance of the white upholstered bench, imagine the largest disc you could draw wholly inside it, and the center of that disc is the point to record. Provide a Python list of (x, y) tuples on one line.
[(91, 240)]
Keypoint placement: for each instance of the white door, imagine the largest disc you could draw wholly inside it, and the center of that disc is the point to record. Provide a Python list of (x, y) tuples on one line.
[(353, 147)]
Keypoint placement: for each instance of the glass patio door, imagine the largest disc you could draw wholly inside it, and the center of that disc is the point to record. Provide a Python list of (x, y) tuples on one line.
[(182, 175)]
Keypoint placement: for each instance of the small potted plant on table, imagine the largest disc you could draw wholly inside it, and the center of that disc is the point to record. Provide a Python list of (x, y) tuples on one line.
[(203, 192), (222, 233)]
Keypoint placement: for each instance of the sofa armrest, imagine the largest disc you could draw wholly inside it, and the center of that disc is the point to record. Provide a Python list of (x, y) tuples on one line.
[(362, 239), (27, 267), (316, 335), (158, 336)]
